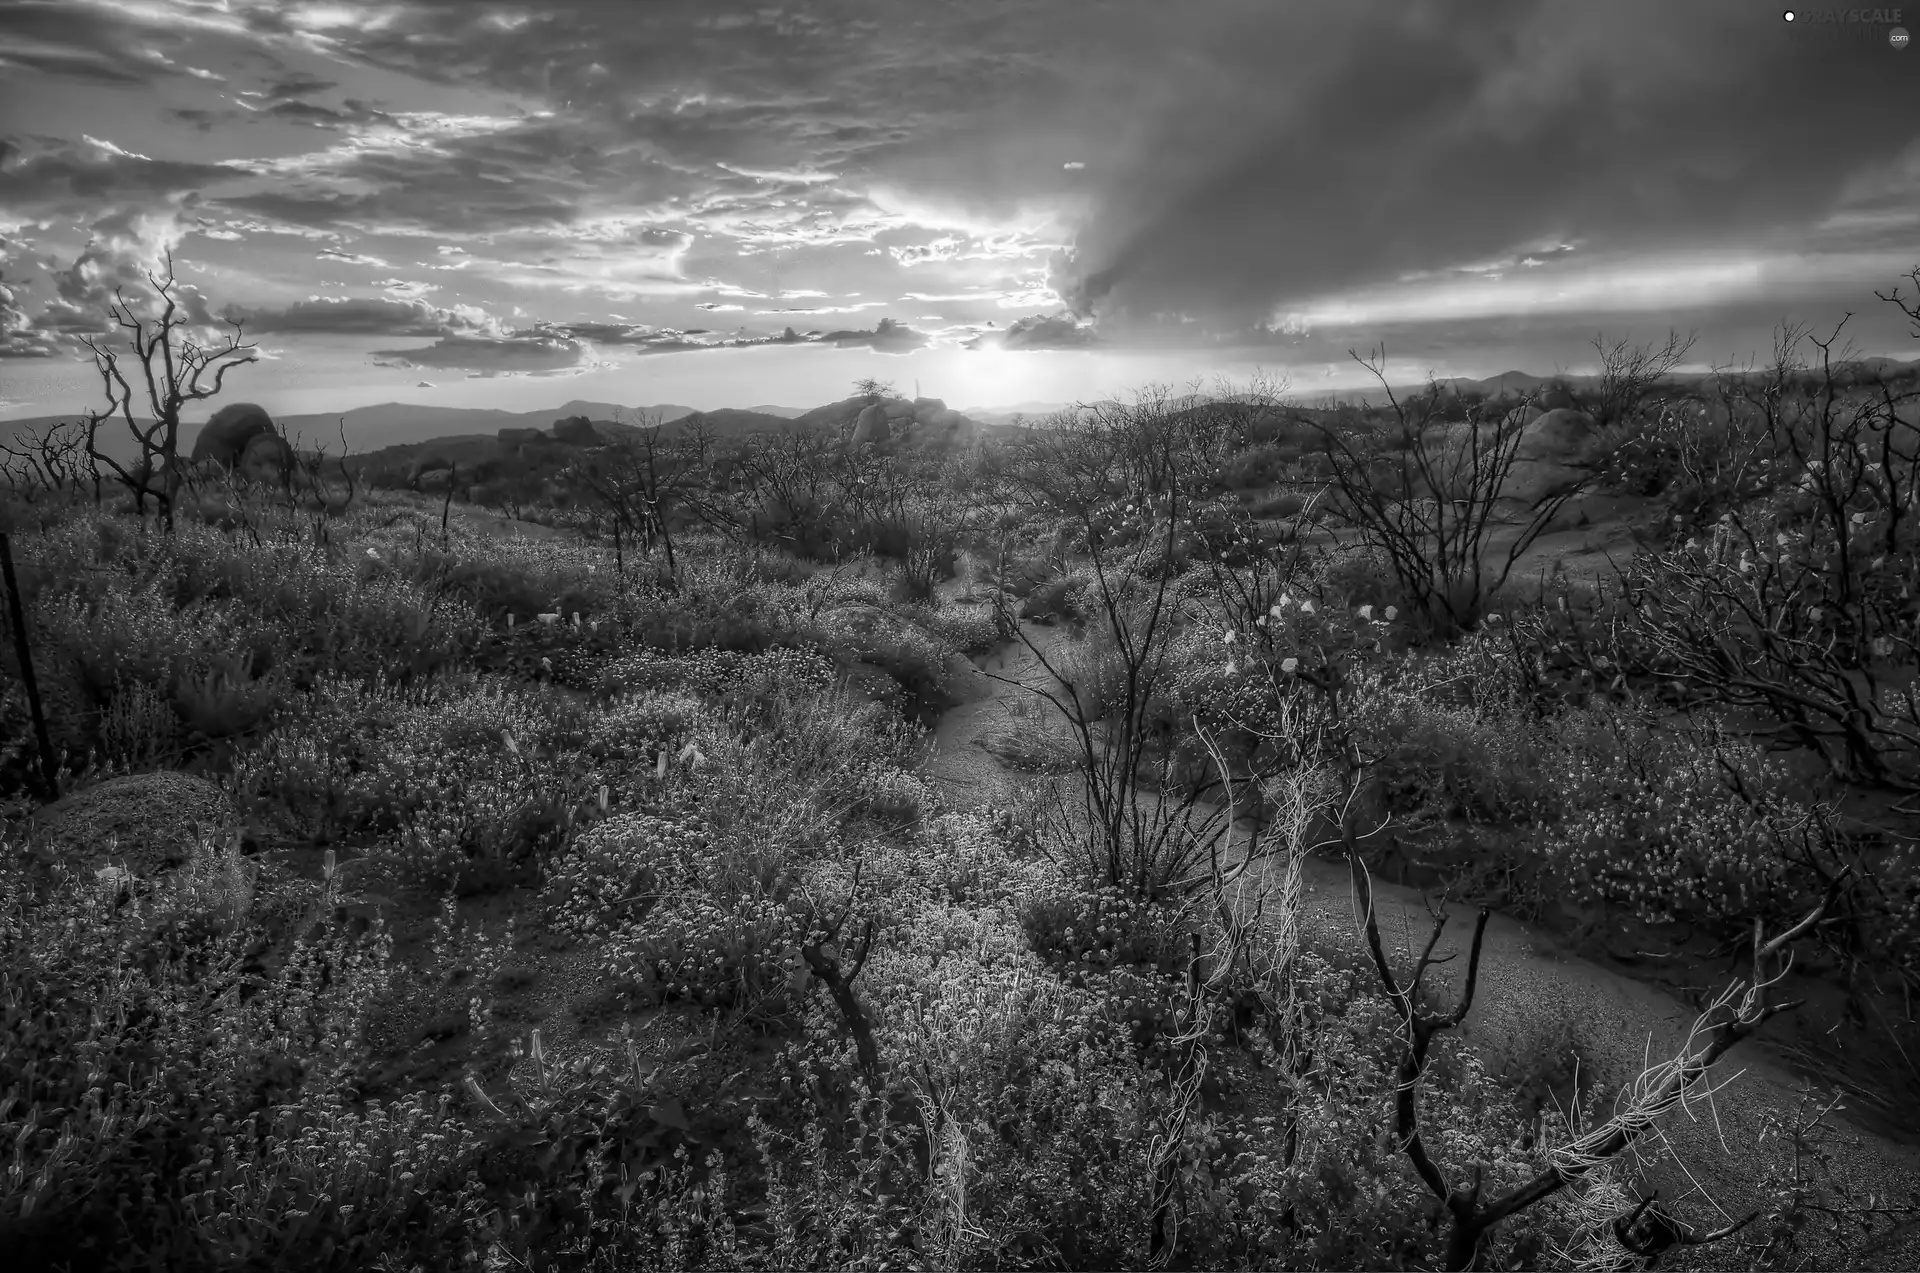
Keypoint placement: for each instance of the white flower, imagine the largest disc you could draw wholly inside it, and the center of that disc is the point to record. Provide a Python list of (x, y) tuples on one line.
[(548, 619), (1233, 669), (1814, 612), (1229, 637), (1392, 613), (1286, 599), (373, 554), (1289, 665), (1366, 612), (1306, 607)]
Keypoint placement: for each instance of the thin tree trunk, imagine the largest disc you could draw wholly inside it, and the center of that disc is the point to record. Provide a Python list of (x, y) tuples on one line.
[(16, 611)]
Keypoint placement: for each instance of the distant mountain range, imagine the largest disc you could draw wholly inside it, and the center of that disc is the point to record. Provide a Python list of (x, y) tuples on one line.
[(406, 423)]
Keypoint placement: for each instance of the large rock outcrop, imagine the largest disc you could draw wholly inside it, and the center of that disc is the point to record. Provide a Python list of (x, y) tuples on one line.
[(872, 426), (241, 438), (577, 430), (426, 466), (1554, 451), (267, 459)]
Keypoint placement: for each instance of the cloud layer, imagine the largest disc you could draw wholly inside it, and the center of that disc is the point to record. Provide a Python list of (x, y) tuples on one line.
[(534, 187)]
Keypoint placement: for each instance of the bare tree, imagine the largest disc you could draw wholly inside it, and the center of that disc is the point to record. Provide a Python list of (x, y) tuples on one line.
[(639, 480), (174, 369)]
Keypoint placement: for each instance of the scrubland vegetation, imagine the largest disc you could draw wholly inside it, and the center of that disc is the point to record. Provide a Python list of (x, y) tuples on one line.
[(385, 887)]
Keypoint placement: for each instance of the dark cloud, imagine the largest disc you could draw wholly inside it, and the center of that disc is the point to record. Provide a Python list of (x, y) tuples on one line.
[(82, 43), (297, 84), (643, 339), (526, 351), (887, 337), (372, 315), (203, 120), (42, 175), (424, 176), (1039, 331), (1401, 138), (314, 115)]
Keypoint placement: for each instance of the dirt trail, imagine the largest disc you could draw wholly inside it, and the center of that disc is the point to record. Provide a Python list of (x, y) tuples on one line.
[(1533, 999)]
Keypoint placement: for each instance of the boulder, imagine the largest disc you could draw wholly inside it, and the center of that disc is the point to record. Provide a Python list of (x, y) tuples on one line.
[(1563, 435), (427, 464), (224, 438), (872, 426), (149, 823), (1552, 452), (924, 407), (267, 459), (577, 430), (1555, 399), (899, 409)]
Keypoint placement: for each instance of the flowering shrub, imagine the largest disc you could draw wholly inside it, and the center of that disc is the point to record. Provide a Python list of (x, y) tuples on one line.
[(324, 1186), (739, 952), (1658, 828), (457, 771), (134, 1039), (613, 872)]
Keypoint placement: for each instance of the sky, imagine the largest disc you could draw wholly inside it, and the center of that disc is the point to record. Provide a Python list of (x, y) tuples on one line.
[(470, 203)]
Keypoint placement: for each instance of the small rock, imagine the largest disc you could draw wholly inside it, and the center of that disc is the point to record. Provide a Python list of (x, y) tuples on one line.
[(148, 822)]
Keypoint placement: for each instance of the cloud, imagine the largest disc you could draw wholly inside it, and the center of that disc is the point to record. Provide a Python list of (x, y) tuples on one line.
[(81, 43), (368, 316), (125, 252), (519, 352), (351, 258), (1171, 174), (1630, 127), (18, 338), (887, 338), (1039, 331), (46, 176)]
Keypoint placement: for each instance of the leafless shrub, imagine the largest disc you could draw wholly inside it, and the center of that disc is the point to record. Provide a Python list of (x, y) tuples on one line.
[(1801, 605), (1429, 497)]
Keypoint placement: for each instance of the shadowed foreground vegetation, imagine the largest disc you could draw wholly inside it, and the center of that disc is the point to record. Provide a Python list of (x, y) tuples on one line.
[(404, 886)]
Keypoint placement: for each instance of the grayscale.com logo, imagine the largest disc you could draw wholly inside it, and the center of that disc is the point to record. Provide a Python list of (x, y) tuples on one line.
[(1874, 25)]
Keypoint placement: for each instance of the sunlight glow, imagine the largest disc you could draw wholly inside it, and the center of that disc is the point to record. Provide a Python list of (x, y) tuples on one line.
[(1677, 282)]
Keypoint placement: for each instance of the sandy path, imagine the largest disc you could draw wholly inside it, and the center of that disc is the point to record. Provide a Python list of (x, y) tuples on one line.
[(1532, 997)]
